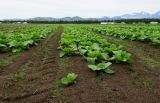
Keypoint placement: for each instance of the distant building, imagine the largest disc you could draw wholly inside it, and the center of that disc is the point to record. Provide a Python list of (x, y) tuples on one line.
[(123, 23), (103, 22), (18, 22), (25, 23), (107, 23), (153, 22)]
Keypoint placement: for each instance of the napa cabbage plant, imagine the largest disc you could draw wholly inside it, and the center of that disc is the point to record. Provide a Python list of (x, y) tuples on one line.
[(121, 56), (69, 79), (104, 67)]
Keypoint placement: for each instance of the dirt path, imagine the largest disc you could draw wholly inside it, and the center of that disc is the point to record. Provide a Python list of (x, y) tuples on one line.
[(15, 64), (87, 88), (36, 74)]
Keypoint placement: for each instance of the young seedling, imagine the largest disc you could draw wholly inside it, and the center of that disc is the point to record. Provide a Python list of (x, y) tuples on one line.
[(69, 79)]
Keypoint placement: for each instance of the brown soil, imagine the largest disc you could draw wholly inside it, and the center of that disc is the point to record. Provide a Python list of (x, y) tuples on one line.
[(3, 55), (87, 88), (13, 66), (40, 73), (43, 72), (103, 88)]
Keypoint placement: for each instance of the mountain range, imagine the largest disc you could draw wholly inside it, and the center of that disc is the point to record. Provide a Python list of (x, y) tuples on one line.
[(135, 15), (141, 14)]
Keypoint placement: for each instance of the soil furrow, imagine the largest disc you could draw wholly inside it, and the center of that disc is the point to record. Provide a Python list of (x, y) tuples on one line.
[(39, 77)]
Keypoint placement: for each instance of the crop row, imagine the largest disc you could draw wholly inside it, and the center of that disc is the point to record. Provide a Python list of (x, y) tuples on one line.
[(147, 33), (18, 40), (95, 50)]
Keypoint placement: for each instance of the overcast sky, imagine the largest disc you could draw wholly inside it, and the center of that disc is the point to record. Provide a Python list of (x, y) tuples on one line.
[(83, 8)]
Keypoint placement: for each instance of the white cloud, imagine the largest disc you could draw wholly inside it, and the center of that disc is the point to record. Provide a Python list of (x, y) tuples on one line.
[(84, 8)]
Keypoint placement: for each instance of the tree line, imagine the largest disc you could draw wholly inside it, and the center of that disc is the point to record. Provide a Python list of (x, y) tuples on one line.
[(127, 21)]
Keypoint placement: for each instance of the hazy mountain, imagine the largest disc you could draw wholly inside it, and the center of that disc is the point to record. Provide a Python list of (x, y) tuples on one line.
[(75, 18), (43, 19), (141, 14), (116, 17), (15, 19), (56, 19), (156, 15), (134, 15), (104, 18)]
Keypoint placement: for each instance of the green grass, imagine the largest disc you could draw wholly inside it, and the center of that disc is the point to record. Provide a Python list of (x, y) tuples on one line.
[(140, 79), (148, 83), (19, 75)]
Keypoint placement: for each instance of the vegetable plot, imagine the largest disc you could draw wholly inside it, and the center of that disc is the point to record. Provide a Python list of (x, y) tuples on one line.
[(147, 33), (95, 50), (17, 41)]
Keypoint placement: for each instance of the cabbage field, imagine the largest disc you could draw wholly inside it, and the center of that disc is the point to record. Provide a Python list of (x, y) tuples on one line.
[(145, 33), (16, 40), (79, 63)]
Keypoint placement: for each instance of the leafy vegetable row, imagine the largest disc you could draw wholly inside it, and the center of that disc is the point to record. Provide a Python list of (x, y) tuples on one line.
[(148, 33), (19, 40), (95, 50)]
